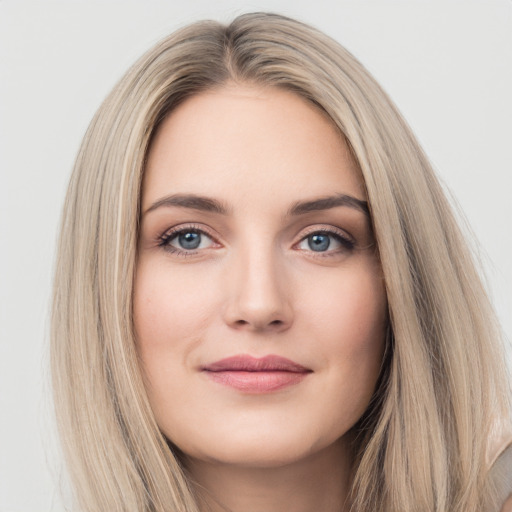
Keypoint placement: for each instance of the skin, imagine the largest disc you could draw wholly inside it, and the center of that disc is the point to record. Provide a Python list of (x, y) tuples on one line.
[(255, 286)]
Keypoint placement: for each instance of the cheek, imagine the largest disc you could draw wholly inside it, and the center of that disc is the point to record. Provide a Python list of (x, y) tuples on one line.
[(169, 320), (168, 323), (350, 317), (350, 306), (167, 312)]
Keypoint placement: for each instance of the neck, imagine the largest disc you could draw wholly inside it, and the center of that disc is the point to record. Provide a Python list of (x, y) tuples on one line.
[(317, 482)]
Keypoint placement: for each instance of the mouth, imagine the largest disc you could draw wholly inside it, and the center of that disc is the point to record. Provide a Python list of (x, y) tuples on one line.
[(256, 375)]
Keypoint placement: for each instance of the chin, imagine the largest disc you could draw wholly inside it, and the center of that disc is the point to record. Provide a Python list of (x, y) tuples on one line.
[(262, 450)]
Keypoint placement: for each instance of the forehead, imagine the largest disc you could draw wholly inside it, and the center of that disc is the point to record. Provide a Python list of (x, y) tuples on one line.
[(248, 139)]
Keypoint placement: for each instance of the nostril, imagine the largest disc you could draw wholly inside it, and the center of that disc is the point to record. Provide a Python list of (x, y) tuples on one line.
[(272, 324)]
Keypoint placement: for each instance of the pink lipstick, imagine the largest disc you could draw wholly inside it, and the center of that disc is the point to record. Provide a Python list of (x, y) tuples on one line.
[(256, 375)]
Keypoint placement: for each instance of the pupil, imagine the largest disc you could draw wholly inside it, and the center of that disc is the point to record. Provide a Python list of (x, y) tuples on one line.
[(189, 240), (319, 242)]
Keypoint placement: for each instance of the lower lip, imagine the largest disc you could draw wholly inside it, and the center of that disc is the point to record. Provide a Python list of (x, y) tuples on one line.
[(257, 382)]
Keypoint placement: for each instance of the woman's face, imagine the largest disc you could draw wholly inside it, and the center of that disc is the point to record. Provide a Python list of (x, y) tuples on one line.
[(259, 302)]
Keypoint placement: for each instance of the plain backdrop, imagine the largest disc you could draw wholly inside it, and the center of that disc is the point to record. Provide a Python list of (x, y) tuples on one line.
[(446, 63)]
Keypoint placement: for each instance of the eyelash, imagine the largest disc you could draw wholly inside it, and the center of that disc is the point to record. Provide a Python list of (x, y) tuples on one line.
[(166, 238), (347, 243)]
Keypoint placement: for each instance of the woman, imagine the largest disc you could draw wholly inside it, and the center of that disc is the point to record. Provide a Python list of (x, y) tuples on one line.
[(262, 299)]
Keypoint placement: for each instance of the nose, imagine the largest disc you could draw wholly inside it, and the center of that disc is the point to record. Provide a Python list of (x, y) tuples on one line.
[(258, 294)]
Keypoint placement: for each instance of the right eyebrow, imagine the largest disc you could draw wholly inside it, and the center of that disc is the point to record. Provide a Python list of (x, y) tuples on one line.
[(191, 201)]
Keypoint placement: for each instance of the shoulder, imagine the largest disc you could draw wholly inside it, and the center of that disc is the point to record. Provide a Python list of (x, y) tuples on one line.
[(500, 464), (507, 506)]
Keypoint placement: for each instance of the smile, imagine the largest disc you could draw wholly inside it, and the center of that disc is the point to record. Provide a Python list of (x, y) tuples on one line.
[(256, 375)]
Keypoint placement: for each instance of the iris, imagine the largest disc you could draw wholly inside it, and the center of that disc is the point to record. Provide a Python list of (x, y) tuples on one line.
[(189, 240), (319, 242)]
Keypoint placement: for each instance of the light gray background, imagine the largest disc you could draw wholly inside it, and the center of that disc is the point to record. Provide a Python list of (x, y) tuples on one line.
[(446, 63)]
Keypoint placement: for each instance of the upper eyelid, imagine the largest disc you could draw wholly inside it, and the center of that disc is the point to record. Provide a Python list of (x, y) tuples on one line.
[(183, 227), (334, 230)]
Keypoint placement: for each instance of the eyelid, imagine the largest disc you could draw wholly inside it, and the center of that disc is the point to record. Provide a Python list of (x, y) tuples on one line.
[(325, 228)]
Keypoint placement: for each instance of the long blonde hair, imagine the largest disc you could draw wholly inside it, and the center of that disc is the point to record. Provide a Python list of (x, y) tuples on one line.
[(422, 445)]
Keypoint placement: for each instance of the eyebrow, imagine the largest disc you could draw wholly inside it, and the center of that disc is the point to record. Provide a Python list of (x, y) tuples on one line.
[(192, 201), (207, 204), (325, 203)]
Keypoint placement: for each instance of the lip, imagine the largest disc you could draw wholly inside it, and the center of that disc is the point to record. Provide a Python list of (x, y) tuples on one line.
[(256, 375)]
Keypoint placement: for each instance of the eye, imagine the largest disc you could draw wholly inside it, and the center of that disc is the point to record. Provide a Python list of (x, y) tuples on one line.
[(326, 242), (186, 240)]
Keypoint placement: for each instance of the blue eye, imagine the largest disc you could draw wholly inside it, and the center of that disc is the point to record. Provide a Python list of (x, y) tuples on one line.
[(185, 240), (326, 242)]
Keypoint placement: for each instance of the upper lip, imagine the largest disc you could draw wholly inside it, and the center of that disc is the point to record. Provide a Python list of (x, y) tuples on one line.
[(247, 363)]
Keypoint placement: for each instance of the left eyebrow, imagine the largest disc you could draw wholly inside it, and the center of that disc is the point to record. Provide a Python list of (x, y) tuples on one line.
[(191, 201), (326, 203)]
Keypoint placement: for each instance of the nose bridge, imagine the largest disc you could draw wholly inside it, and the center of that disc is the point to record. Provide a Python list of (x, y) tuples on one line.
[(258, 296)]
